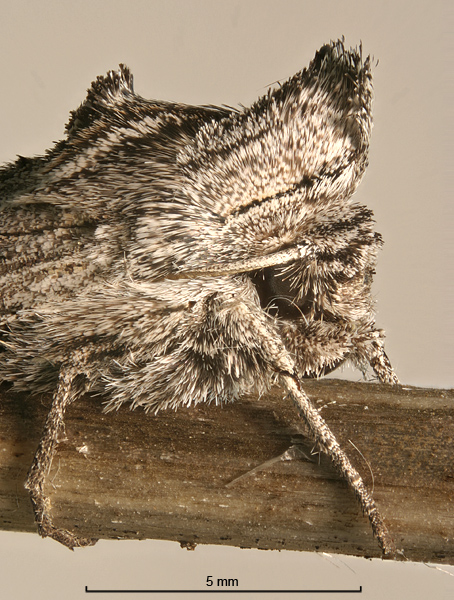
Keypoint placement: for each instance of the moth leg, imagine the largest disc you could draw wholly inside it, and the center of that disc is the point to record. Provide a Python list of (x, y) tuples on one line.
[(328, 443), (65, 394), (380, 362)]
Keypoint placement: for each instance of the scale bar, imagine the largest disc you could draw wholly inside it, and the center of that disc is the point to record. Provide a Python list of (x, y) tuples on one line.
[(358, 591)]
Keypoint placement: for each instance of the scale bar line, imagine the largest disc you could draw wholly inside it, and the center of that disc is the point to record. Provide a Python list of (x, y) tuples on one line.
[(358, 591)]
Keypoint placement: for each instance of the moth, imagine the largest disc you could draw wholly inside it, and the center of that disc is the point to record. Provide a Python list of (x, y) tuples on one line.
[(164, 255)]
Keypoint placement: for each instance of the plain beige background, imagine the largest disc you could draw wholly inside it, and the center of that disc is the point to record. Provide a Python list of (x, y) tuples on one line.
[(227, 52)]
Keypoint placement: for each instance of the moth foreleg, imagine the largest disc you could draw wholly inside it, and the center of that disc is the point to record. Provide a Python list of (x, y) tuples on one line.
[(327, 442), (380, 362)]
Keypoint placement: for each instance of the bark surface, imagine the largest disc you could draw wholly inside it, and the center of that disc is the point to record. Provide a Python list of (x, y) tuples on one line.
[(243, 474)]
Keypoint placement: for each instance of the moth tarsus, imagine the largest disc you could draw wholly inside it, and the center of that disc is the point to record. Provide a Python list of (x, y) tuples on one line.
[(165, 255)]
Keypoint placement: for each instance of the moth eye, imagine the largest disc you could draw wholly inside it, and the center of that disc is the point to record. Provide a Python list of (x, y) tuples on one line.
[(279, 295)]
